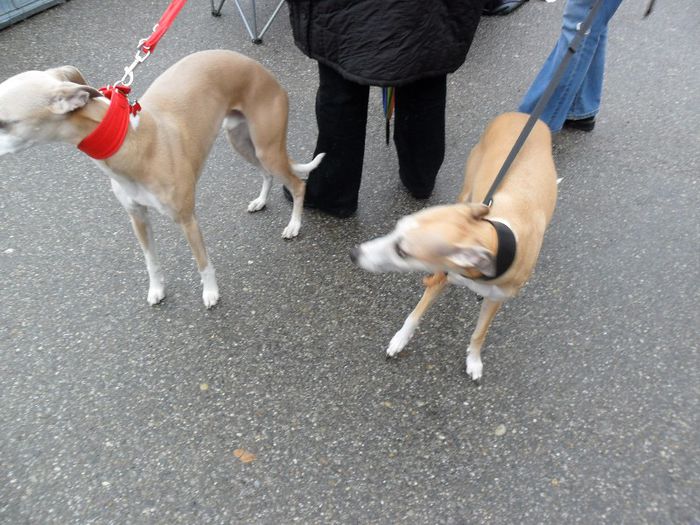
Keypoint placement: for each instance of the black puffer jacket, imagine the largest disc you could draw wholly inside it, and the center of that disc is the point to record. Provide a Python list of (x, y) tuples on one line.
[(386, 42)]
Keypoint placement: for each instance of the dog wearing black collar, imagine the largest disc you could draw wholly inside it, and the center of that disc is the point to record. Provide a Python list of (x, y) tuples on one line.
[(491, 250)]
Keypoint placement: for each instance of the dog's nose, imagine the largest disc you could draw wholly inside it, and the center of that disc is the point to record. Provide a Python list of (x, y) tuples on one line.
[(355, 254)]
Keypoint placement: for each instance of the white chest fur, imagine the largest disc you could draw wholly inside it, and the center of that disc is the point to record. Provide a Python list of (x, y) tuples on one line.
[(129, 192), (490, 291)]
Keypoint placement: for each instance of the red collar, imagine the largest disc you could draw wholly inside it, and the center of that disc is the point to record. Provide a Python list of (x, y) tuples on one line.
[(109, 134)]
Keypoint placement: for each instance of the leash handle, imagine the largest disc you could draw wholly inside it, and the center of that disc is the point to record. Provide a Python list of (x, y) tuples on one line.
[(542, 102)]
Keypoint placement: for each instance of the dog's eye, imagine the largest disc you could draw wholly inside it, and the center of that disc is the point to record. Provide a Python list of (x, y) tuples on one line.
[(399, 251)]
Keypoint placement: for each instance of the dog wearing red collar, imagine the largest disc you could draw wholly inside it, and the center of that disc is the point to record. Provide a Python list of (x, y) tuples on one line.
[(154, 158), (491, 250)]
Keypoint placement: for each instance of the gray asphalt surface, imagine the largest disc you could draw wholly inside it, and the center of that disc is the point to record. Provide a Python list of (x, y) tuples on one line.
[(115, 412)]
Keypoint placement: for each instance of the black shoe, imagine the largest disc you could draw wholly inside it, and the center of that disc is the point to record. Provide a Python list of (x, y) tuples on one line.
[(500, 7), (341, 213), (418, 194), (584, 124)]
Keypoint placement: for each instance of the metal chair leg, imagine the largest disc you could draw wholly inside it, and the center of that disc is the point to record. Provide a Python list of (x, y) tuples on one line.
[(255, 37), (217, 11), (272, 17)]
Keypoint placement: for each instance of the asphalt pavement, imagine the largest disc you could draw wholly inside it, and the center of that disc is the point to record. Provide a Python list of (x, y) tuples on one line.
[(278, 406)]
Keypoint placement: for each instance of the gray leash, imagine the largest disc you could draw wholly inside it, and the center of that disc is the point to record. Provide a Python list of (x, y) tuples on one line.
[(539, 108)]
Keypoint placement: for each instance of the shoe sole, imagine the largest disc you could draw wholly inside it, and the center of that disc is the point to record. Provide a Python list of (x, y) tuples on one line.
[(579, 126), (502, 11)]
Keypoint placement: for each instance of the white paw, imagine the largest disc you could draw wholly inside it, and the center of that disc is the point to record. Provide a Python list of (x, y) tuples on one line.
[(292, 229), (398, 342), (155, 295), (256, 205), (210, 297), (474, 366)]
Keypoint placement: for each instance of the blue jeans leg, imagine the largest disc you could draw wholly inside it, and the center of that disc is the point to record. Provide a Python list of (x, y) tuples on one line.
[(579, 92), (586, 102)]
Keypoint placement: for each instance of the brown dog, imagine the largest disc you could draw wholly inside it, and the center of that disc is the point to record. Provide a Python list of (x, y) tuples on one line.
[(492, 251), (166, 144)]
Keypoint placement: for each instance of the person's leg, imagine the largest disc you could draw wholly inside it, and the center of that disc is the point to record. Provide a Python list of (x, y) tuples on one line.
[(419, 133), (559, 105), (341, 114), (586, 103)]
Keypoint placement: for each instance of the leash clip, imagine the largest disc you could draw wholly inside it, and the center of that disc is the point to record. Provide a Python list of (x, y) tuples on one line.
[(128, 77)]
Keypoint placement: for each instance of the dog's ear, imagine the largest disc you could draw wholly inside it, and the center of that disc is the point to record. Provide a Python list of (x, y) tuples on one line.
[(69, 97), (475, 257), (68, 73)]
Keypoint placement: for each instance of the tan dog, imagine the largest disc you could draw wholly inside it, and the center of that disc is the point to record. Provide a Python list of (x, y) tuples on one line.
[(167, 143), (492, 251)]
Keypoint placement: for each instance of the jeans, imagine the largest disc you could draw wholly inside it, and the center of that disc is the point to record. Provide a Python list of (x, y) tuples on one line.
[(579, 92)]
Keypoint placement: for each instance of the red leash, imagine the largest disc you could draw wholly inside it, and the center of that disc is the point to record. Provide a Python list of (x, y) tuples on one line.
[(109, 135), (149, 45)]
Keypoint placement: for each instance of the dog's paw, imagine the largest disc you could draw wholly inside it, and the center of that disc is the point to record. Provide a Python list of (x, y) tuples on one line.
[(210, 297), (256, 205), (474, 366), (292, 229), (398, 342), (155, 295)]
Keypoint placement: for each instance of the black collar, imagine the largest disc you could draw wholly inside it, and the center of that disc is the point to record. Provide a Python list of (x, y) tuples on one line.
[(506, 249)]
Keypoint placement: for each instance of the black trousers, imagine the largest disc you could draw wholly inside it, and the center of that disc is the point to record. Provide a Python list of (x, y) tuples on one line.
[(341, 114)]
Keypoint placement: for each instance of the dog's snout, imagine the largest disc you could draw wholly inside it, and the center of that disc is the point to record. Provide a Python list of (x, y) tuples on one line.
[(355, 254)]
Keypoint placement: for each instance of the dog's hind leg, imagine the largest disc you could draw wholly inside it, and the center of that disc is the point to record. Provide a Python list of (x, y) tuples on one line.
[(276, 162), (489, 308), (297, 188), (434, 286), (268, 132), (238, 134), (210, 290)]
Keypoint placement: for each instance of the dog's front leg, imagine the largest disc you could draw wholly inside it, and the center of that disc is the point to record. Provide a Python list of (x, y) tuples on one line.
[(489, 308), (434, 285), (141, 224), (210, 290)]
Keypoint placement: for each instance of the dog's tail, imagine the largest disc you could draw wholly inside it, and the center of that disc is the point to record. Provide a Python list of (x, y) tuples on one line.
[(301, 170)]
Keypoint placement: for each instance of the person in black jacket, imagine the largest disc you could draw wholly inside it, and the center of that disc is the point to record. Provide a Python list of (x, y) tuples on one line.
[(410, 45)]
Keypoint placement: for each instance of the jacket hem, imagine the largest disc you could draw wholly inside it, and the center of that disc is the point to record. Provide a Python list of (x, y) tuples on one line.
[(359, 79)]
